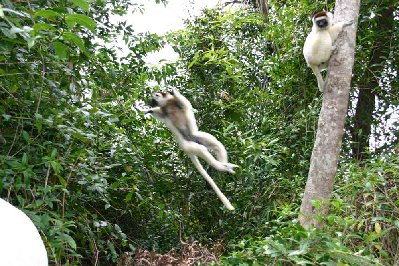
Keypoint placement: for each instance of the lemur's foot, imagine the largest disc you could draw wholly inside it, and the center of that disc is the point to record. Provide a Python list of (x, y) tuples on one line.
[(229, 167)]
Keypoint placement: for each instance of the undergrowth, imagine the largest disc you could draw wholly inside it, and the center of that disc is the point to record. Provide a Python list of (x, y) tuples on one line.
[(361, 229)]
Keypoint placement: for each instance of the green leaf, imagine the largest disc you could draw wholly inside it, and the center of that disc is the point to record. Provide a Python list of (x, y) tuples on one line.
[(7, 32), (24, 159), (25, 135), (74, 39), (81, 19), (47, 13), (129, 196), (53, 153), (71, 242), (62, 181), (42, 26), (377, 227), (297, 252), (82, 4), (2, 9), (14, 30), (31, 42), (56, 167), (39, 126), (60, 50)]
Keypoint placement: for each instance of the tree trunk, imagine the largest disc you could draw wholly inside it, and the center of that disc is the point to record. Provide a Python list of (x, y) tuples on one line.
[(263, 8), (365, 106), (363, 119), (327, 147)]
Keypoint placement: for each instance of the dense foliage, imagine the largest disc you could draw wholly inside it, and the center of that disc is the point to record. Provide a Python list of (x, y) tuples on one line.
[(361, 229), (98, 178)]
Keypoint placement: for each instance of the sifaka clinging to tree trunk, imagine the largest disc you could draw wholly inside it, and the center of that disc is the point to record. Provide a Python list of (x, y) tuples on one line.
[(327, 147)]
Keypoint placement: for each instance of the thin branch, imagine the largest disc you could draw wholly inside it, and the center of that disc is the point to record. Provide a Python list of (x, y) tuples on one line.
[(14, 74), (41, 89), (13, 142), (18, 63), (4, 89)]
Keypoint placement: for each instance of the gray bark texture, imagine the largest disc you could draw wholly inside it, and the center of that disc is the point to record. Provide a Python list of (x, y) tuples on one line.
[(327, 147), (263, 6)]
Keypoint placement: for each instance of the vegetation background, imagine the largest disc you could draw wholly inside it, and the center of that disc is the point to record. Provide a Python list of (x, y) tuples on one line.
[(99, 179)]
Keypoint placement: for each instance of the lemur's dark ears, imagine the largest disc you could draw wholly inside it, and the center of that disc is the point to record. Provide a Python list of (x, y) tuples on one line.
[(319, 13), (170, 90)]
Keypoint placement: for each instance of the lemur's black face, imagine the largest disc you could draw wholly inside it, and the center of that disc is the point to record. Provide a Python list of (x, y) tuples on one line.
[(160, 98), (322, 22), (153, 103)]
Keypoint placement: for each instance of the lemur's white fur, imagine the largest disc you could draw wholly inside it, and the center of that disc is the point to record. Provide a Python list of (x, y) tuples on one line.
[(319, 43), (176, 112)]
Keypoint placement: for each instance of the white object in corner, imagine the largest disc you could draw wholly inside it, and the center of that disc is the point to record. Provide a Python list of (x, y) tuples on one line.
[(20, 242)]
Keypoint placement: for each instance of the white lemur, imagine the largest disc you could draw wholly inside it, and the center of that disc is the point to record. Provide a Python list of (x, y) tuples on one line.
[(319, 43), (176, 112)]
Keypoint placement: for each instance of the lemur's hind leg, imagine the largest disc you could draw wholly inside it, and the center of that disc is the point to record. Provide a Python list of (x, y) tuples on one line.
[(319, 77), (213, 144), (193, 148)]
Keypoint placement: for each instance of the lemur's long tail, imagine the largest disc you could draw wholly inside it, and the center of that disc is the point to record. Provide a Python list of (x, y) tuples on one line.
[(209, 179)]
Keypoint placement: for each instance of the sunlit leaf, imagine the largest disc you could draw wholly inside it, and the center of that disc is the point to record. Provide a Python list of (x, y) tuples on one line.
[(81, 19), (43, 26), (377, 227), (47, 13), (61, 50), (2, 10), (31, 42), (74, 39), (82, 4)]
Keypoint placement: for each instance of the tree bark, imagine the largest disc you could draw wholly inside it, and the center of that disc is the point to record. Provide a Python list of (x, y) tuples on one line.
[(363, 119), (263, 8), (327, 147), (365, 106)]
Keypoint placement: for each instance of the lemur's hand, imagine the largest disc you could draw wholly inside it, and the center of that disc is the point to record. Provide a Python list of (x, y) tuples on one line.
[(139, 105)]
